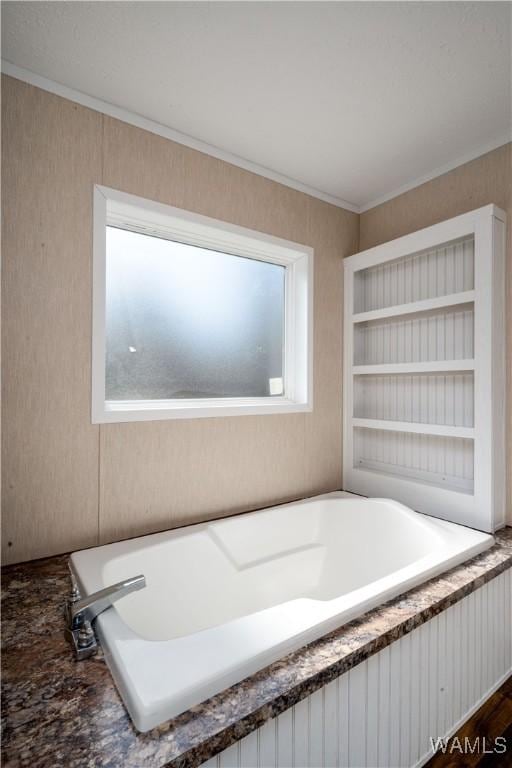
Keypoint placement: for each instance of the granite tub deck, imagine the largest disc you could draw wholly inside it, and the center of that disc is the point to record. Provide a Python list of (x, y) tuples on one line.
[(58, 712)]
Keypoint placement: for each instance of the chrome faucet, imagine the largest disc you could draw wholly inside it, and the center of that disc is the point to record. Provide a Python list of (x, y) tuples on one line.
[(80, 612)]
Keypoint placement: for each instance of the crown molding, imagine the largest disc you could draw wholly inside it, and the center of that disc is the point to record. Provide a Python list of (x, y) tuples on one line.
[(126, 116), (440, 171), (19, 73)]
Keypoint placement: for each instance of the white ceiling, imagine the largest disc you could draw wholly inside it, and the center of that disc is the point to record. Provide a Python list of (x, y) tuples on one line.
[(354, 99)]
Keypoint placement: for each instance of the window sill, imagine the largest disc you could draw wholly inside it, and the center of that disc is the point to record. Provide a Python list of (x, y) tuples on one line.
[(158, 410)]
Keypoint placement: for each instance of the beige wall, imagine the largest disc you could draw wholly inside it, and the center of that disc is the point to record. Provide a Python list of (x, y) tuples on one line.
[(68, 483), (488, 179)]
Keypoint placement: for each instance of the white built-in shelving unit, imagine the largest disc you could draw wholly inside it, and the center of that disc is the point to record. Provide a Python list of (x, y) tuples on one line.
[(424, 370)]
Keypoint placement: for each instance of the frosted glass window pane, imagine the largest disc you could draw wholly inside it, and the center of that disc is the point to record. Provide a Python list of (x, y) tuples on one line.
[(188, 322)]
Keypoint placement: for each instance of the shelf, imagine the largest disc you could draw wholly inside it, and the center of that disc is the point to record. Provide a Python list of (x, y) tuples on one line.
[(424, 319), (415, 307), (434, 366), (439, 430)]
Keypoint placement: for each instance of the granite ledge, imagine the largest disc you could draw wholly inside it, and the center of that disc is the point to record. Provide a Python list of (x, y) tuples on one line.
[(56, 711)]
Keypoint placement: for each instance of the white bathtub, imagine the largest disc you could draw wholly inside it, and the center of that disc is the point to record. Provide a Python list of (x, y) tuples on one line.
[(224, 599)]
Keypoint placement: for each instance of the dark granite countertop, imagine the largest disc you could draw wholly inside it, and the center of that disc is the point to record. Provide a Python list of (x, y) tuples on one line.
[(58, 712)]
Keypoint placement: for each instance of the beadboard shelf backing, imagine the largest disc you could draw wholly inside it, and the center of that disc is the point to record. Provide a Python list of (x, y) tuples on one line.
[(437, 272), (445, 399), (424, 370), (444, 461), (445, 334)]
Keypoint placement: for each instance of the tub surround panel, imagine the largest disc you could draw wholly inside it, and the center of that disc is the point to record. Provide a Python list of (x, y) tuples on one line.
[(323, 430), (53, 706), (71, 484), (51, 159), (180, 472)]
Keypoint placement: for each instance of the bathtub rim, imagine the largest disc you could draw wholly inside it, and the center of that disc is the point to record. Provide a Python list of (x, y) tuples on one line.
[(111, 626)]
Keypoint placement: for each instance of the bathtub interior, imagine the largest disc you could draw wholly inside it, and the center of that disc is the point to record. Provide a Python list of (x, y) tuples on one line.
[(208, 575)]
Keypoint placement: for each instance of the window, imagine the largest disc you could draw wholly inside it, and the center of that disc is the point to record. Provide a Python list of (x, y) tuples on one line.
[(195, 317), (187, 322)]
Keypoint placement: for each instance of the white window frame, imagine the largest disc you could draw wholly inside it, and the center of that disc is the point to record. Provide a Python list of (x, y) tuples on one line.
[(112, 207)]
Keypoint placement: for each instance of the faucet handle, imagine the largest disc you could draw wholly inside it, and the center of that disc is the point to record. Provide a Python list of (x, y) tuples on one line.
[(85, 637), (74, 595), (80, 611)]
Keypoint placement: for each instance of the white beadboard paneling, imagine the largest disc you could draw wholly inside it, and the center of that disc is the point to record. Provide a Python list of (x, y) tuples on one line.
[(442, 335), (441, 398), (357, 687), (487, 636), (432, 684), (445, 461), (214, 762), (394, 705), (301, 733), (231, 757), (480, 650), (442, 679), (459, 665), (405, 701), (344, 730), (382, 712), (372, 711), (415, 698), (385, 715), (424, 677), (316, 728), (440, 271), (284, 737), (268, 744), (468, 686), (249, 755), (331, 723)]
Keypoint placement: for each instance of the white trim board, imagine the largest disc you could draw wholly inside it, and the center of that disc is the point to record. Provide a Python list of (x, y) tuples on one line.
[(132, 118)]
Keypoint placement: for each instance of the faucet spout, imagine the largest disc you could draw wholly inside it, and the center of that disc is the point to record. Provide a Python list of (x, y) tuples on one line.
[(89, 607)]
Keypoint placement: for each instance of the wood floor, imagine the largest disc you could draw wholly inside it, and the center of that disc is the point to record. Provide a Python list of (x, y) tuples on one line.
[(492, 722)]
